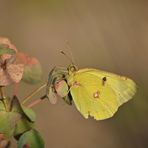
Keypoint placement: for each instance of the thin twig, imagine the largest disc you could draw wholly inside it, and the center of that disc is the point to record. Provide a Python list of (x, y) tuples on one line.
[(2, 92), (33, 93), (15, 89), (37, 101)]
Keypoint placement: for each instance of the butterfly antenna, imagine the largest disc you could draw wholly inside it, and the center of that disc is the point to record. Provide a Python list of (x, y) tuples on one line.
[(68, 47), (68, 57)]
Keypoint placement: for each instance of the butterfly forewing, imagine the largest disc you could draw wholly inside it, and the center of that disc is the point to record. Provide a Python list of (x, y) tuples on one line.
[(124, 87), (91, 97)]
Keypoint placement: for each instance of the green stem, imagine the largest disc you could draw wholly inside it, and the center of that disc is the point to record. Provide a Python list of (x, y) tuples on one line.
[(3, 98), (5, 105), (33, 93)]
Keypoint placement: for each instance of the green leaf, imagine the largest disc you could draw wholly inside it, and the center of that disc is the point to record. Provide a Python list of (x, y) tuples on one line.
[(15, 105), (22, 126), (26, 112), (31, 139), (6, 50), (27, 120), (29, 113), (8, 122), (32, 70)]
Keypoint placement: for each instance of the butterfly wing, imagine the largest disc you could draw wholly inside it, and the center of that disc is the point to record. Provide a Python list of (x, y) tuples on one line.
[(124, 87), (98, 93)]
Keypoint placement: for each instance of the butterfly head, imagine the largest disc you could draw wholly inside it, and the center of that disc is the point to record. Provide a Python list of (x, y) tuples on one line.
[(71, 68)]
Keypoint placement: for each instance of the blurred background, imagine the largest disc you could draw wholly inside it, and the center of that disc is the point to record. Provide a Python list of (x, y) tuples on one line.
[(106, 34)]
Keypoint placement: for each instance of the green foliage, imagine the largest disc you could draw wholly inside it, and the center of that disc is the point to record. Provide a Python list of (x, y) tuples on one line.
[(6, 50), (22, 126), (2, 107), (17, 121), (26, 112), (27, 119), (8, 122), (31, 139), (29, 113)]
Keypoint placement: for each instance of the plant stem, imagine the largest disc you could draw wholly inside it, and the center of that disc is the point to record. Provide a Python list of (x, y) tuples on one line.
[(38, 101), (15, 89), (3, 98), (2, 92), (33, 93)]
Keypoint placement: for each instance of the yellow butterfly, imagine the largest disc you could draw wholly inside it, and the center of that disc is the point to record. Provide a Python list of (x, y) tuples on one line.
[(94, 92), (98, 93)]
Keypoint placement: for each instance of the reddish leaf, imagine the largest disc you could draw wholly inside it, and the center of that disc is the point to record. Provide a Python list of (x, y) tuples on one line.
[(51, 95), (13, 68), (4, 78), (15, 72), (5, 41), (11, 74), (2, 137), (32, 71), (4, 142), (10, 71)]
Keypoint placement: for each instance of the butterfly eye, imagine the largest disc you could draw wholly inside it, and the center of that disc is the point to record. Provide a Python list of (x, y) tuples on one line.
[(72, 68)]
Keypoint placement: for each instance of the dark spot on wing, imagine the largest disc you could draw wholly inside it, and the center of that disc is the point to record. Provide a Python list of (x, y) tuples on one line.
[(104, 79)]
